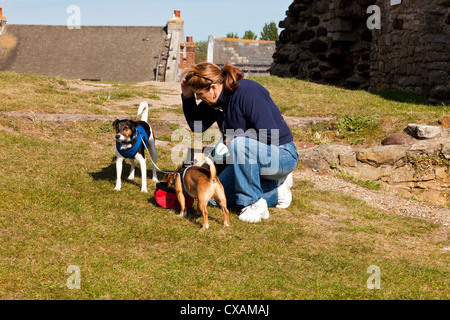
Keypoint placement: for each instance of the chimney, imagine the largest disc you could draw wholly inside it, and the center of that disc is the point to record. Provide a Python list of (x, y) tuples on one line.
[(176, 18), (175, 31), (188, 55)]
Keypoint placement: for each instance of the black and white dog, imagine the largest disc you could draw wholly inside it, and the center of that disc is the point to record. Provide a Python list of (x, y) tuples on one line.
[(132, 138)]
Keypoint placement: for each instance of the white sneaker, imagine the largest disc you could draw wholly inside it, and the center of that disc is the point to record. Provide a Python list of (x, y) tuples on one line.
[(255, 212), (284, 192)]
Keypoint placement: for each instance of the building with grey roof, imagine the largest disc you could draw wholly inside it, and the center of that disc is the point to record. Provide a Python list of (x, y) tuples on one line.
[(251, 56), (99, 53)]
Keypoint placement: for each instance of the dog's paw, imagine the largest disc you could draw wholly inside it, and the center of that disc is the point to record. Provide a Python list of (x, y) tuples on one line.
[(183, 214), (117, 189), (205, 227), (131, 177), (155, 179), (144, 190)]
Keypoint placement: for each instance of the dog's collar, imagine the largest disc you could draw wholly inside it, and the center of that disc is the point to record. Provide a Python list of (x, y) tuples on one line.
[(136, 142)]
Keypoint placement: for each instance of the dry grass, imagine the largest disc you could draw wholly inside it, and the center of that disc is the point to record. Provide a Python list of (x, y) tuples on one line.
[(393, 110), (59, 209)]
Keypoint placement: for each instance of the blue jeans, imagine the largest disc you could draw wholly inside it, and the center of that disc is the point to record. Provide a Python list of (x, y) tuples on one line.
[(254, 171)]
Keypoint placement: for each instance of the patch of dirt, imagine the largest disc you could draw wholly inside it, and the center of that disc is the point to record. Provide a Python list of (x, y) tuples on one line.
[(384, 201), (88, 86), (63, 117)]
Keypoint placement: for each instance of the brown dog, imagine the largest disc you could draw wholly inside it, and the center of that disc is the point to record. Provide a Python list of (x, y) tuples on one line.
[(200, 183)]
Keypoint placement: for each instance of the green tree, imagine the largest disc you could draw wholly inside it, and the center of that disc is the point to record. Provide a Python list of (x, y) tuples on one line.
[(250, 35), (232, 35), (201, 51), (270, 32)]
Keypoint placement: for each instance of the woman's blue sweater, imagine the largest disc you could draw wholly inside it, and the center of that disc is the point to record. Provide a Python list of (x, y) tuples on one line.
[(249, 107)]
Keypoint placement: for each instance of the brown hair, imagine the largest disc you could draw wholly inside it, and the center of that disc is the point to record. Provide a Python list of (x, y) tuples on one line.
[(204, 74)]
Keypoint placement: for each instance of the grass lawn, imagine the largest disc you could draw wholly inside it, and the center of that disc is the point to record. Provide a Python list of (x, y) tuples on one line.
[(59, 209)]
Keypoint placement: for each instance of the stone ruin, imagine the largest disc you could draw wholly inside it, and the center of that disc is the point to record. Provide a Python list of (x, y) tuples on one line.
[(391, 165), (330, 42)]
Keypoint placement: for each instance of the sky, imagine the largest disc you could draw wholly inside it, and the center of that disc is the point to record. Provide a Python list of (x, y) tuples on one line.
[(201, 17)]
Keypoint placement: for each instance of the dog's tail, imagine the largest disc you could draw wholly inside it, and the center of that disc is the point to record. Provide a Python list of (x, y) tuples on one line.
[(212, 169), (143, 109)]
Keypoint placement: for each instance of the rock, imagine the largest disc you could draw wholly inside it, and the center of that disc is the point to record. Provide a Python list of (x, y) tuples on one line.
[(307, 34), (445, 150), (442, 174), (322, 157), (366, 35), (315, 75), (314, 21), (423, 132), (397, 138), (366, 173), (440, 92), (336, 59), (312, 65), (423, 148), (332, 76), (401, 175), (445, 121), (437, 77), (318, 45), (385, 155), (348, 159), (321, 32), (354, 81), (325, 67), (320, 7), (365, 2), (345, 36)]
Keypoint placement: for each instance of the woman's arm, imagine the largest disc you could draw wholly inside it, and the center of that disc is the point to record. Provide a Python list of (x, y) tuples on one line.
[(193, 112), (198, 113)]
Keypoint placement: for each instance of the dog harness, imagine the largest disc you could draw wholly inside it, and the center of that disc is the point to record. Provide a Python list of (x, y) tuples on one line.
[(139, 136), (182, 173)]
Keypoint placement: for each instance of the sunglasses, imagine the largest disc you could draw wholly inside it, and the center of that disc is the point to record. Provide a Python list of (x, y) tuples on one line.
[(200, 76)]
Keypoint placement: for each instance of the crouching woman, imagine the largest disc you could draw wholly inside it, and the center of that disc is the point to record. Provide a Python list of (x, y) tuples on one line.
[(262, 152)]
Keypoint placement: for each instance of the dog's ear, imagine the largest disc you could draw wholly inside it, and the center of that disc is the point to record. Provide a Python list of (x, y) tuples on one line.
[(115, 123), (133, 125), (169, 178)]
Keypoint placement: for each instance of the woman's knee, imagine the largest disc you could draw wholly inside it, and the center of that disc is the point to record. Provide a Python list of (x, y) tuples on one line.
[(237, 144), (244, 150)]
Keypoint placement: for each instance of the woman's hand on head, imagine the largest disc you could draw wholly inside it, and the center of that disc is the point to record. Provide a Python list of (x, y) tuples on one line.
[(186, 90)]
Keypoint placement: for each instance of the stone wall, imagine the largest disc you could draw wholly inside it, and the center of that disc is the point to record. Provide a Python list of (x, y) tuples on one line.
[(411, 52), (390, 164), (329, 42)]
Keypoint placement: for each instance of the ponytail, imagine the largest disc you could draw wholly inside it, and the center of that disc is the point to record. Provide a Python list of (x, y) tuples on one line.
[(203, 75), (232, 76)]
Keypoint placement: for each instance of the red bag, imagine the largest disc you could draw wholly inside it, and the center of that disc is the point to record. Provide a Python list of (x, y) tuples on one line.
[(167, 198)]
